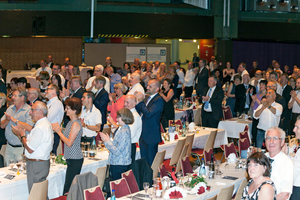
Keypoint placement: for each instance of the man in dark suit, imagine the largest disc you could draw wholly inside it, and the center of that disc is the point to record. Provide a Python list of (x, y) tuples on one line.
[(50, 61), (201, 79), (151, 110), (243, 93), (212, 104), (101, 99), (286, 94)]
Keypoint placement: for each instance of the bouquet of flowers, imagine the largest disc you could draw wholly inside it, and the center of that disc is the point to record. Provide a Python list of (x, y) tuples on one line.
[(60, 159), (194, 181)]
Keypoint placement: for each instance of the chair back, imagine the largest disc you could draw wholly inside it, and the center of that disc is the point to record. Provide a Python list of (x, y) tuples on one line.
[(93, 193), (83, 72), (39, 191), (227, 114), (190, 140), (244, 134), (239, 193), (162, 129), (186, 166), (229, 148), (158, 160), (225, 193), (246, 128), (213, 198), (243, 144), (100, 173), (182, 155), (207, 155), (121, 188), (177, 151), (33, 82), (177, 121), (2, 152), (131, 181), (197, 118), (211, 140), (163, 171)]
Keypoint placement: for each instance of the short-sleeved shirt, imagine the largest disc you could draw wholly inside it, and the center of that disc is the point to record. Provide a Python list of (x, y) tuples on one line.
[(22, 115), (90, 117)]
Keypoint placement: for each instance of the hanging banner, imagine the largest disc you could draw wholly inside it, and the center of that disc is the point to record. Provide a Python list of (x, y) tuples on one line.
[(156, 54), (135, 52)]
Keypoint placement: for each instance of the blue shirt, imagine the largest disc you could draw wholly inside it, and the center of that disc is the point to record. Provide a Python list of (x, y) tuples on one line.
[(120, 147), (114, 78)]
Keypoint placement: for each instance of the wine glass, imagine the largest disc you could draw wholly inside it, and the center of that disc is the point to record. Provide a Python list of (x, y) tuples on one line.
[(11, 163), (19, 163), (146, 186), (52, 156)]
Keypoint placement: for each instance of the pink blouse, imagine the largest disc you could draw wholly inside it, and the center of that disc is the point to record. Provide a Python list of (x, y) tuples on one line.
[(114, 107)]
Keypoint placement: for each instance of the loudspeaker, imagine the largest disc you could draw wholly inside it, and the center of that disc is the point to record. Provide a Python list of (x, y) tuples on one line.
[(38, 24)]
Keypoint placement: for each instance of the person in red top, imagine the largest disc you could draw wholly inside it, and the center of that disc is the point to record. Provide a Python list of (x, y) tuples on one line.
[(116, 100)]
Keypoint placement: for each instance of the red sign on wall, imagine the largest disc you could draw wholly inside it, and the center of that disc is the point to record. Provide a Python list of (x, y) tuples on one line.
[(207, 49)]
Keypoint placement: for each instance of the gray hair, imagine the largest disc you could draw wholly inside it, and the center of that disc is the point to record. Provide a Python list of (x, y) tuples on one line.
[(22, 92), (41, 105), (3, 96), (100, 67), (136, 76), (121, 87), (279, 130)]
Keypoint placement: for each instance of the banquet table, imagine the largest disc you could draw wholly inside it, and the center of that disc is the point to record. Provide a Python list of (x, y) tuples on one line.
[(18, 74), (234, 126)]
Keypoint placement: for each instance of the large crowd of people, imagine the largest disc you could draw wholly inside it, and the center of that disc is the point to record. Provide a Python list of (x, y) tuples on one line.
[(136, 100)]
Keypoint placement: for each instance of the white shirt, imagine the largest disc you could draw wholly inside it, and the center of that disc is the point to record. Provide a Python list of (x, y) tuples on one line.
[(94, 90), (282, 173), (63, 80), (154, 71), (136, 127), (49, 64), (90, 117), (137, 87), (279, 89), (296, 161), (47, 69), (189, 78), (40, 140), (181, 77), (55, 110), (296, 107), (211, 93), (267, 118), (211, 66)]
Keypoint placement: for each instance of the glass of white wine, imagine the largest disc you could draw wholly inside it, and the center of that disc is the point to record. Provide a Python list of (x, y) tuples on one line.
[(11, 163)]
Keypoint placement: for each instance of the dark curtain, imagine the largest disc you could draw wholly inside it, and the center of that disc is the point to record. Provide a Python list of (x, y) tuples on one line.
[(264, 53)]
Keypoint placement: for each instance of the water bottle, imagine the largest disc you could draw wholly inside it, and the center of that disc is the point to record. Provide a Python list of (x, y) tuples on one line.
[(113, 196), (93, 146)]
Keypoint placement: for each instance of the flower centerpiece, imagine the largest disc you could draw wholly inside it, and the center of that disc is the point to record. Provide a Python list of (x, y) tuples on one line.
[(60, 159), (194, 180)]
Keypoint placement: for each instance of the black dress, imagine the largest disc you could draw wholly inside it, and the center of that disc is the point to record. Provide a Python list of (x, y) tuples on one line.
[(168, 113), (2, 131)]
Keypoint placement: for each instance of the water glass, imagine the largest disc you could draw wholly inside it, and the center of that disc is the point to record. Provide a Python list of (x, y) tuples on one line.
[(146, 186), (11, 163)]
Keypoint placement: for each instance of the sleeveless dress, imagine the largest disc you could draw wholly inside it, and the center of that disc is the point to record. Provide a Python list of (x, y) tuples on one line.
[(73, 152), (168, 113), (255, 194), (231, 101)]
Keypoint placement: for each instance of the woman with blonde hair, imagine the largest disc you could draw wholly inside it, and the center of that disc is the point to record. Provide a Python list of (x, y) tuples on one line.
[(161, 73)]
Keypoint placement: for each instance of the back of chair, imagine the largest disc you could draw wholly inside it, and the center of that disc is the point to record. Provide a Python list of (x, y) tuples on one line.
[(131, 181), (177, 151), (207, 155), (225, 193), (243, 135), (162, 129), (197, 118), (227, 114), (240, 190), (243, 144), (182, 155), (229, 148), (100, 173), (121, 187), (246, 128), (93, 193), (33, 82), (158, 160), (213, 198), (211, 140), (186, 166), (2, 152), (162, 170), (189, 140), (39, 191)]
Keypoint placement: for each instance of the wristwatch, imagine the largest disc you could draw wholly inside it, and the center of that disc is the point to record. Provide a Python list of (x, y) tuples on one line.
[(17, 122), (269, 107), (22, 137)]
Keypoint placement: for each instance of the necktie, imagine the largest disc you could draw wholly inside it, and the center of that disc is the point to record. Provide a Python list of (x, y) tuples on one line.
[(206, 105), (271, 161), (149, 98)]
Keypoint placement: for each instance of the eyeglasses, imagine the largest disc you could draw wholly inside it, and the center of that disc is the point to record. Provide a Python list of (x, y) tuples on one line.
[(50, 89), (16, 95), (276, 138), (34, 109)]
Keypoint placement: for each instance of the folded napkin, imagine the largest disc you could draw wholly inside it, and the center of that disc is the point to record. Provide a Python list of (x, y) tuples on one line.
[(232, 158), (208, 188), (192, 126), (201, 190), (176, 137), (175, 195)]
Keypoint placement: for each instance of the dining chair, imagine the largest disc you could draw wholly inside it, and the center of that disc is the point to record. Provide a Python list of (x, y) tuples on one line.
[(182, 155), (162, 170), (213, 198), (190, 140), (121, 188), (93, 193), (227, 114), (228, 149), (243, 144), (246, 128), (101, 174), (33, 82), (158, 160), (186, 166), (177, 121), (207, 155), (177, 151), (131, 181), (197, 118), (243, 135), (225, 193), (39, 191), (239, 193)]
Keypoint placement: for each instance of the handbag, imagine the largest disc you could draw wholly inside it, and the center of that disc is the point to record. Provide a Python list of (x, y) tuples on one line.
[(106, 185)]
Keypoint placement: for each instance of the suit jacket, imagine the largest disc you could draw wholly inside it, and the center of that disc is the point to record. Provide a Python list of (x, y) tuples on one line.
[(3, 88), (101, 100), (202, 81), (215, 102), (151, 119), (240, 95), (286, 94)]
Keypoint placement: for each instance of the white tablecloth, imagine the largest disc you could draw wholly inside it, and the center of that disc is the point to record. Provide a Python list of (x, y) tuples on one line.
[(18, 74), (234, 126)]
